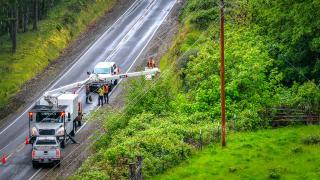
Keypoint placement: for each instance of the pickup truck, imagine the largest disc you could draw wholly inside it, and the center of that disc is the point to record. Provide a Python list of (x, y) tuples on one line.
[(46, 150), (105, 70)]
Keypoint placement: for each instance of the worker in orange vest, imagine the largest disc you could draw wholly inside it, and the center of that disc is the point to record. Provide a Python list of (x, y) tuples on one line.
[(106, 93), (151, 63)]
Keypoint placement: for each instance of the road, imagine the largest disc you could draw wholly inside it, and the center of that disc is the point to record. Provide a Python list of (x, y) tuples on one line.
[(122, 43)]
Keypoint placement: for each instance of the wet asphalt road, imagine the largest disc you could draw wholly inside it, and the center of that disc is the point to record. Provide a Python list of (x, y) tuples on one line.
[(122, 43)]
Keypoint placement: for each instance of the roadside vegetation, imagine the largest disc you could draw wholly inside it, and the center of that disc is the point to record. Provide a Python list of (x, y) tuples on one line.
[(285, 153), (61, 25), (169, 119)]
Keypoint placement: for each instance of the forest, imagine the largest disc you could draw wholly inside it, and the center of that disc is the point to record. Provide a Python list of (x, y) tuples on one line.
[(34, 33), (20, 16)]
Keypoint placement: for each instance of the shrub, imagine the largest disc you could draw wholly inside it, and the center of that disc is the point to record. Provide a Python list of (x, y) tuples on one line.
[(313, 139)]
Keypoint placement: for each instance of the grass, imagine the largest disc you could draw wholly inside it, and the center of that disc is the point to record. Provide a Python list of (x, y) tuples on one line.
[(36, 49), (284, 153)]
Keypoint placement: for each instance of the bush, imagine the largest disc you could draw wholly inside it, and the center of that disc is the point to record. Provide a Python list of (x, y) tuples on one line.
[(313, 139)]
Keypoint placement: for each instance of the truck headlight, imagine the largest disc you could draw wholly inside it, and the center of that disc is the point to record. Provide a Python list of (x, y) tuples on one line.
[(60, 131), (34, 131)]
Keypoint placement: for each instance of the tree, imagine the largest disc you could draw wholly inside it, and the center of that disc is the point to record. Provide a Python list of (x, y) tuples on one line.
[(35, 14)]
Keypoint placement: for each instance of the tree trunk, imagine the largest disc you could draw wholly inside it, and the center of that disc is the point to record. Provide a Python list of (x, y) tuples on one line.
[(14, 27), (35, 14), (25, 19), (21, 18), (42, 10)]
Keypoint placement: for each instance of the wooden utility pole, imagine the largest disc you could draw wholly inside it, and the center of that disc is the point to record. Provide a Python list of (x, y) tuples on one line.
[(223, 110)]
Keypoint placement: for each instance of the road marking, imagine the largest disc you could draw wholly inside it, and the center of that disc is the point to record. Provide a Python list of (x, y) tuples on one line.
[(137, 24), (154, 32), (81, 127), (77, 61), (20, 147), (36, 173), (4, 147)]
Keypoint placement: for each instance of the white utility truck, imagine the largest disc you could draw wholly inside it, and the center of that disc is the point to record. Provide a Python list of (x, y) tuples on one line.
[(58, 113), (59, 120)]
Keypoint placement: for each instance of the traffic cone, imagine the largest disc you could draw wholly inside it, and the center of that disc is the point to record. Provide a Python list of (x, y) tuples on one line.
[(27, 139), (4, 159)]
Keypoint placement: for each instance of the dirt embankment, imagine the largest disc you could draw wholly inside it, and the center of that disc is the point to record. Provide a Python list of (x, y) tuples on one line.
[(36, 86)]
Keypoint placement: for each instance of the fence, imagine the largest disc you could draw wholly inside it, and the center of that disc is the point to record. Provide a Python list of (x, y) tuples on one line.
[(285, 116)]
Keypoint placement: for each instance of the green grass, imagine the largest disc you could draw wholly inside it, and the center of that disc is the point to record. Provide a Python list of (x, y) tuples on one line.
[(265, 154), (36, 49)]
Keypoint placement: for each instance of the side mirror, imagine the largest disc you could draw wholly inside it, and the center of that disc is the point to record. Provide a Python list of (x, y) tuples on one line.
[(88, 73), (69, 117)]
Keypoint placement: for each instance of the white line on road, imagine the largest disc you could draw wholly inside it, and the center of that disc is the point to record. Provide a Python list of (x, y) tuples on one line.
[(81, 127), (36, 173)]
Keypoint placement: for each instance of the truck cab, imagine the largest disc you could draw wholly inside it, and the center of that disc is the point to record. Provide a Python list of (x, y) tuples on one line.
[(59, 121), (104, 70)]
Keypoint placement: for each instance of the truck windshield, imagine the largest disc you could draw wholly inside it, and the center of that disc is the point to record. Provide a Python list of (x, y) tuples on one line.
[(53, 117), (102, 71), (46, 142)]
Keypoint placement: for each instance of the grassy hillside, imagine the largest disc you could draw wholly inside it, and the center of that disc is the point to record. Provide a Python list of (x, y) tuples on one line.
[(166, 120), (286, 153), (37, 49)]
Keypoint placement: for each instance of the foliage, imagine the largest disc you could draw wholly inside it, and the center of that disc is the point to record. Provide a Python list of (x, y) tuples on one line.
[(312, 139), (200, 13), (265, 154), (39, 48), (292, 30), (162, 120)]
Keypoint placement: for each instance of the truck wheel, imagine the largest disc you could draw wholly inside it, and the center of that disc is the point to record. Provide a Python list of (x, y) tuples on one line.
[(62, 144), (73, 132), (35, 165), (57, 163)]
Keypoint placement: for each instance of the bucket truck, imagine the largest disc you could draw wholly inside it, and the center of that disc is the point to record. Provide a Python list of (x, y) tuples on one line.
[(59, 113)]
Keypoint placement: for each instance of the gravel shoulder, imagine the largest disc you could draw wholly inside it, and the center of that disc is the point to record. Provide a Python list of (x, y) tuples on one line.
[(32, 89), (75, 154)]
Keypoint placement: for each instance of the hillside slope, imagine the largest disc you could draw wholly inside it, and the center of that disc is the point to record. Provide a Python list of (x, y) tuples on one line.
[(171, 118)]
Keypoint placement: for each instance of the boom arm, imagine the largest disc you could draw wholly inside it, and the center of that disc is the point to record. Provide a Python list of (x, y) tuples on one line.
[(94, 78), (133, 74)]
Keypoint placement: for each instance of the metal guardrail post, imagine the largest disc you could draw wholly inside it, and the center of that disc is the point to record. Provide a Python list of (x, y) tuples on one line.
[(132, 171), (139, 169)]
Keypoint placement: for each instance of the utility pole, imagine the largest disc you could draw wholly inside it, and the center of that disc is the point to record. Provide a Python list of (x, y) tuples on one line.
[(223, 108)]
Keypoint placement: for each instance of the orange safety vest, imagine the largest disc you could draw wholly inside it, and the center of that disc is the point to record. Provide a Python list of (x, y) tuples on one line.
[(153, 63), (149, 64), (106, 88)]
